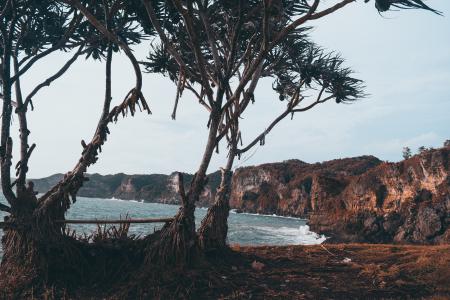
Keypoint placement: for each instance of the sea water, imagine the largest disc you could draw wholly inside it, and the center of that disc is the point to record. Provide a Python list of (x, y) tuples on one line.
[(244, 229)]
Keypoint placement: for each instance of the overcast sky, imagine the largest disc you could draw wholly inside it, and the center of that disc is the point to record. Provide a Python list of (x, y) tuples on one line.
[(403, 57)]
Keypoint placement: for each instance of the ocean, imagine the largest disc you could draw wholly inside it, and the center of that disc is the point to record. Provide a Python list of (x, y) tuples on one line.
[(244, 229)]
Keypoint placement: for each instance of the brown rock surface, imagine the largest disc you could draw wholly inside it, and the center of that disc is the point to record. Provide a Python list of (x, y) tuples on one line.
[(355, 200)]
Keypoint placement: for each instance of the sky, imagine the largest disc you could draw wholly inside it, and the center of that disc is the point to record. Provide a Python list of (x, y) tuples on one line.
[(403, 57)]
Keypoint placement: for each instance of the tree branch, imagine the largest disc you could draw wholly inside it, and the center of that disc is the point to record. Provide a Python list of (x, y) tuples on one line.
[(296, 99), (73, 180), (22, 165), (212, 43), (264, 50), (6, 141), (155, 22), (180, 87), (48, 81), (234, 39), (5, 8), (5, 208), (74, 23), (110, 36), (188, 17), (330, 9), (248, 95), (199, 96)]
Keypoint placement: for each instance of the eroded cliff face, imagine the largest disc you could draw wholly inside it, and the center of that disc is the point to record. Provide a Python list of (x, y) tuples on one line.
[(293, 187), (355, 200), (394, 202)]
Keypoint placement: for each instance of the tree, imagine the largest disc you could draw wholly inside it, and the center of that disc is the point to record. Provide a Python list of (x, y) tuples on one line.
[(31, 30), (447, 143), (421, 149), (406, 153), (219, 50)]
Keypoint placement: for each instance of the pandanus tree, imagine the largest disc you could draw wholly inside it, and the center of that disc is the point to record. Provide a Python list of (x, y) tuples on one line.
[(219, 51), (30, 31)]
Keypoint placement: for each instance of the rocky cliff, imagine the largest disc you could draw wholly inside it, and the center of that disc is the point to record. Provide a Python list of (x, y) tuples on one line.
[(158, 188), (400, 202), (358, 199), (355, 200)]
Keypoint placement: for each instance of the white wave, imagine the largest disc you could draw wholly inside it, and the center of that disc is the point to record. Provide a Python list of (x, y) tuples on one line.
[(297, 236), (234, 211), (114, 199)]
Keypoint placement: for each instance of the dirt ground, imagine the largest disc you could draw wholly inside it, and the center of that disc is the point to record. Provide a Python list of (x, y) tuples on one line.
[(338, 271), (342, 271)]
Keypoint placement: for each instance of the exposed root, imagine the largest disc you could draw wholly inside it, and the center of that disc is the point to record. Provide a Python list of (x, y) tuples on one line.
[(175, 242)]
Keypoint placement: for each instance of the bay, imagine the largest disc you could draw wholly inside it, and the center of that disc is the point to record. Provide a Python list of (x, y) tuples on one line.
[(244, 229)]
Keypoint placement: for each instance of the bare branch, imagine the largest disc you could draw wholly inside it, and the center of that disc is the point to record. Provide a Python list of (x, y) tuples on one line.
[(330, 9), (248, 95), (261, 138), (296, 99), (180, 86), (297, 23), (199, 96)]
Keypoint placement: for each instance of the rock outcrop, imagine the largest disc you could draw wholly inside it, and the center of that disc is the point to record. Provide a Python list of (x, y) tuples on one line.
[(400, 202), (358, 199), (355, 200)]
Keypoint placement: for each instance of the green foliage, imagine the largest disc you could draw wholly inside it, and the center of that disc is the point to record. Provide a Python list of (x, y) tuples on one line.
[(35, 24), (122, 17), (447, 143), (294, 62), (406, 153), (385, 5), (421, 149), (297, 60)]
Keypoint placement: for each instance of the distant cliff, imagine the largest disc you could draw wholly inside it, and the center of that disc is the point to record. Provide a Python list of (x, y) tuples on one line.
[(158, 188), (358, 199)]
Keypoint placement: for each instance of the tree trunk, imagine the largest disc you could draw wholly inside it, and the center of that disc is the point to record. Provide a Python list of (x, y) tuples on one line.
[(26, 246), (177, 242), (213, 231)]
